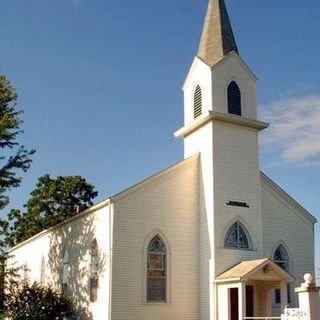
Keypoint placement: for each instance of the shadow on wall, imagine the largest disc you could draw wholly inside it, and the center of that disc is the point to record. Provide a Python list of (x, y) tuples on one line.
[(73, 274)]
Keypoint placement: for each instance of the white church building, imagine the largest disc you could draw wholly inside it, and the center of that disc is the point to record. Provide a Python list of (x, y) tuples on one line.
[(209, 238)]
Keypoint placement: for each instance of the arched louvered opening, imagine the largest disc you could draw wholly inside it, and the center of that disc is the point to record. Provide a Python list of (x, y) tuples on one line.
[(237, 237), (234, 99), (197, 102), (157, 270), (94, 271)]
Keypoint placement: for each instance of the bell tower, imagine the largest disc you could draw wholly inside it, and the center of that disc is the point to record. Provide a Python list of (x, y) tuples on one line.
[(220, 123)]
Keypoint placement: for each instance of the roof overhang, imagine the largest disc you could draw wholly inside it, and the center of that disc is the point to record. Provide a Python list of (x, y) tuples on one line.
[(222, 117), (257, 270)]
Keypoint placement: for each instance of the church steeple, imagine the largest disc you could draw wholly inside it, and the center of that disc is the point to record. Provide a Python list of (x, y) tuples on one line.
[(217, 39)]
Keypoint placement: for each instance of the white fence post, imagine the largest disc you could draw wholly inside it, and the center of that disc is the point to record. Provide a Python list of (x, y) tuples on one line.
[(309, 298)]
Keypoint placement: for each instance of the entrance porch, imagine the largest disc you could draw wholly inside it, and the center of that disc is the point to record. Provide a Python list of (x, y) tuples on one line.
[(245, 291)]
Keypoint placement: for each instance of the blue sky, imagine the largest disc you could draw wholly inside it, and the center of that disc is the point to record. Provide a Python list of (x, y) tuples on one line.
[(100, 83)]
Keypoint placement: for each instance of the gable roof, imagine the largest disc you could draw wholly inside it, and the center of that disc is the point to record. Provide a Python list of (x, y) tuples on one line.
[(168, 170), (111, 200), (272, 186), (245, 270)]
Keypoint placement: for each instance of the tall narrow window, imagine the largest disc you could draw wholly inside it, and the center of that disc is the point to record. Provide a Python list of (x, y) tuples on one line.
[(43, 271), (65, 271), (197, 102), (156, 270), (94, 271), (234, 99), (237, 237), (281, 258)]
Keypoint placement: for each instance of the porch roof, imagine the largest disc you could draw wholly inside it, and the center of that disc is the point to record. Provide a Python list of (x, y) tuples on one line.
[(260, 269)]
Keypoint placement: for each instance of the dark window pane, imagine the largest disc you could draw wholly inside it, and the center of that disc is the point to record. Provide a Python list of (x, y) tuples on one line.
[(234, 99), (232, 237), (243, 241), (156, 270), (277, 293), (281, 257), (236, 237), (156, 289), (93, 289)]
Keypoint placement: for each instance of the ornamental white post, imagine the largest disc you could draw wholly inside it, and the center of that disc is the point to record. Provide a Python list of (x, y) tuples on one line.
[(309, 298)]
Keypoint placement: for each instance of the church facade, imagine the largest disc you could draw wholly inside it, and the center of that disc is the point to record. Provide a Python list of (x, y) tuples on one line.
[(210, 238)]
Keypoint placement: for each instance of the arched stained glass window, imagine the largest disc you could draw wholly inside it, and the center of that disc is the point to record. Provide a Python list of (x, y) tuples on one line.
[(156, 270), (281, 257), (65, 271), (197, 102), (237, 238), (234, 99), (94, 271)]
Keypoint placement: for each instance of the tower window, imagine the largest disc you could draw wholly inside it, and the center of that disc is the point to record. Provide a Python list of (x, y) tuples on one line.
[(237, 237), (156, 270), (197, 102), (234, 99)]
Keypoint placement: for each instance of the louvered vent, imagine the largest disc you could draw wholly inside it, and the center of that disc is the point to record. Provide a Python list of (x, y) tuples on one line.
[(234, 99), (197, 106)]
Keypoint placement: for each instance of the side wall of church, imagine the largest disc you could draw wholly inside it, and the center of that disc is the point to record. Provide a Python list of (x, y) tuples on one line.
[(76, 235), (166, 205), (283, 223)]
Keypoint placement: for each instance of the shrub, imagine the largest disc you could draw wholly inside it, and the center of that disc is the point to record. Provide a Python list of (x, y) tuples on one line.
[(35, 302)]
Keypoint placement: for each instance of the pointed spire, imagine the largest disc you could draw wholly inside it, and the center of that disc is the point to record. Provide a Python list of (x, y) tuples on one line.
[(217, 39)]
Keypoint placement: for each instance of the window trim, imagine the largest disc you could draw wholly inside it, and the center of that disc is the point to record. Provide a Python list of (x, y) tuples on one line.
[(284, 261), (287, 269), (145, 270), (246, 233), (43, 271), (240, 98), (94, 272), (65, 271)]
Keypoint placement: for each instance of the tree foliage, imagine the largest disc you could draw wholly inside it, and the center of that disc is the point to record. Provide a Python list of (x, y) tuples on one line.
[(18, 157), (30, 302), (52, 201)]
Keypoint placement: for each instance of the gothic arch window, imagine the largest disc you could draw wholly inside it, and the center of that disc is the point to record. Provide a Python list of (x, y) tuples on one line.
[(156, 270), (281, 257), (65, 271), (197, 102), (234, 99), (94, 272), (237, 237), (43, 271)]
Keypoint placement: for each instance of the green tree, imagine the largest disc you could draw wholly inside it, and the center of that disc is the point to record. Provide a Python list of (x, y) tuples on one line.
[(52, 201), (18, 157), (14, 158), (30, 302)]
